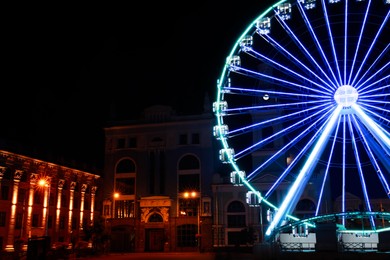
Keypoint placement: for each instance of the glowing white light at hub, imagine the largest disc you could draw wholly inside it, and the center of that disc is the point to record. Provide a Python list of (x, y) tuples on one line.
[(346, 95)]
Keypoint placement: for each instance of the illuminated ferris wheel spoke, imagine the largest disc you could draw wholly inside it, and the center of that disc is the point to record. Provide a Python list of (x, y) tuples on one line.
[(304, 174), (329, 31), (343, 188), (360, 172), (371, 46), (363, 94), (374, 83), (255, 92), (381, 137), (359, 41), (298, 156), (372, 158), (279, 47), (294, 161), (370, 69), (288, 71), (376, 114), (345, 41), (246, 128), (326, 173), (304, 98), (259, 75), (377, 95), (299, 42), (316, 41), (324, 112), (282, 132)]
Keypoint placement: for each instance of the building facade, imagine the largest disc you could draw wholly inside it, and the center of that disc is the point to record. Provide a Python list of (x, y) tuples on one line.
[(166, 189), (158, 174), (40, 198)]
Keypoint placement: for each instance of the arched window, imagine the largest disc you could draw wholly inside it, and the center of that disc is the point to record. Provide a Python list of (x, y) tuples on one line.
[(155, 218), (125, 166), (125, 179), (236, 214), (189, 174), (189, 162)]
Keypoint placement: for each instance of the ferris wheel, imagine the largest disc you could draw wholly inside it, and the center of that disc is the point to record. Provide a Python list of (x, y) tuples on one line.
[(304, 96)]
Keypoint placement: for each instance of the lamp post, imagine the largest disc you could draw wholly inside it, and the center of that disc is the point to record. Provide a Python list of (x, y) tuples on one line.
[(196, 195), (115, 197), (45, 183)]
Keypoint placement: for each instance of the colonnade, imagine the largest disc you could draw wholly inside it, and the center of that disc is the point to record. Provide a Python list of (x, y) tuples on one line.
[(51, 183)]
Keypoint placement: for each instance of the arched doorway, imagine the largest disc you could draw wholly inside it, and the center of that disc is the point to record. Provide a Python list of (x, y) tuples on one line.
[(154, 234)]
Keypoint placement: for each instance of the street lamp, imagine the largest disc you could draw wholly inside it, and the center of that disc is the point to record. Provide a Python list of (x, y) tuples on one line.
[(116, 196), (45, 183), (195, 195)]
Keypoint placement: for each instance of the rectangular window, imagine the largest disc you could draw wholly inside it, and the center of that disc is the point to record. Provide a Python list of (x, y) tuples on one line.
[(106, 210), (188, 207), (195, 138), (126, 186), (37, 198), (120, 143), (124, 208), (183, 139), (74, 223), (206, 208), (50, 222), (18, 221), (35, 220), (186, 235), (22, 196), (189, 182), (4, 192), (236, 221), (62, 222), (85, 222), (3, 216), (132, 142), (64, 201)]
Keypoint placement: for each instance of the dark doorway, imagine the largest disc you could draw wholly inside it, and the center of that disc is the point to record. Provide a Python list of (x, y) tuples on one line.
[(121, 239), (154, 240)]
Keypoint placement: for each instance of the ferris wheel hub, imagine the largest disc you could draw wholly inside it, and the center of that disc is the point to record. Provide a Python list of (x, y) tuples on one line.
[(346, 95)]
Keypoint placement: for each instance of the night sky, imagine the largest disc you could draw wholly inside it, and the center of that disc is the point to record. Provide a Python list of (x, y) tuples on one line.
[(68, 67)]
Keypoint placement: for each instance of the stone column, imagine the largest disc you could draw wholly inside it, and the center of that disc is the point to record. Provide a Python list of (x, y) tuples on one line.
[(60, 187), (83, 189), (71, 198), (2, 171), (11, 227), (45, 213), (93, 193), (33, 183)]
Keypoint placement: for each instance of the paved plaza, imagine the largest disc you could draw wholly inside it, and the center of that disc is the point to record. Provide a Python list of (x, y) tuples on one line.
[(246, 256)]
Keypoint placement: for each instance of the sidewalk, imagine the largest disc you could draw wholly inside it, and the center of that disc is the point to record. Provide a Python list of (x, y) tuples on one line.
[(244, 256), (173, 256)]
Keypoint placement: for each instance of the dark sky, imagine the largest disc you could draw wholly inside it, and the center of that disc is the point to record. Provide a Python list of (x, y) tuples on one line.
[(67, 65)]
